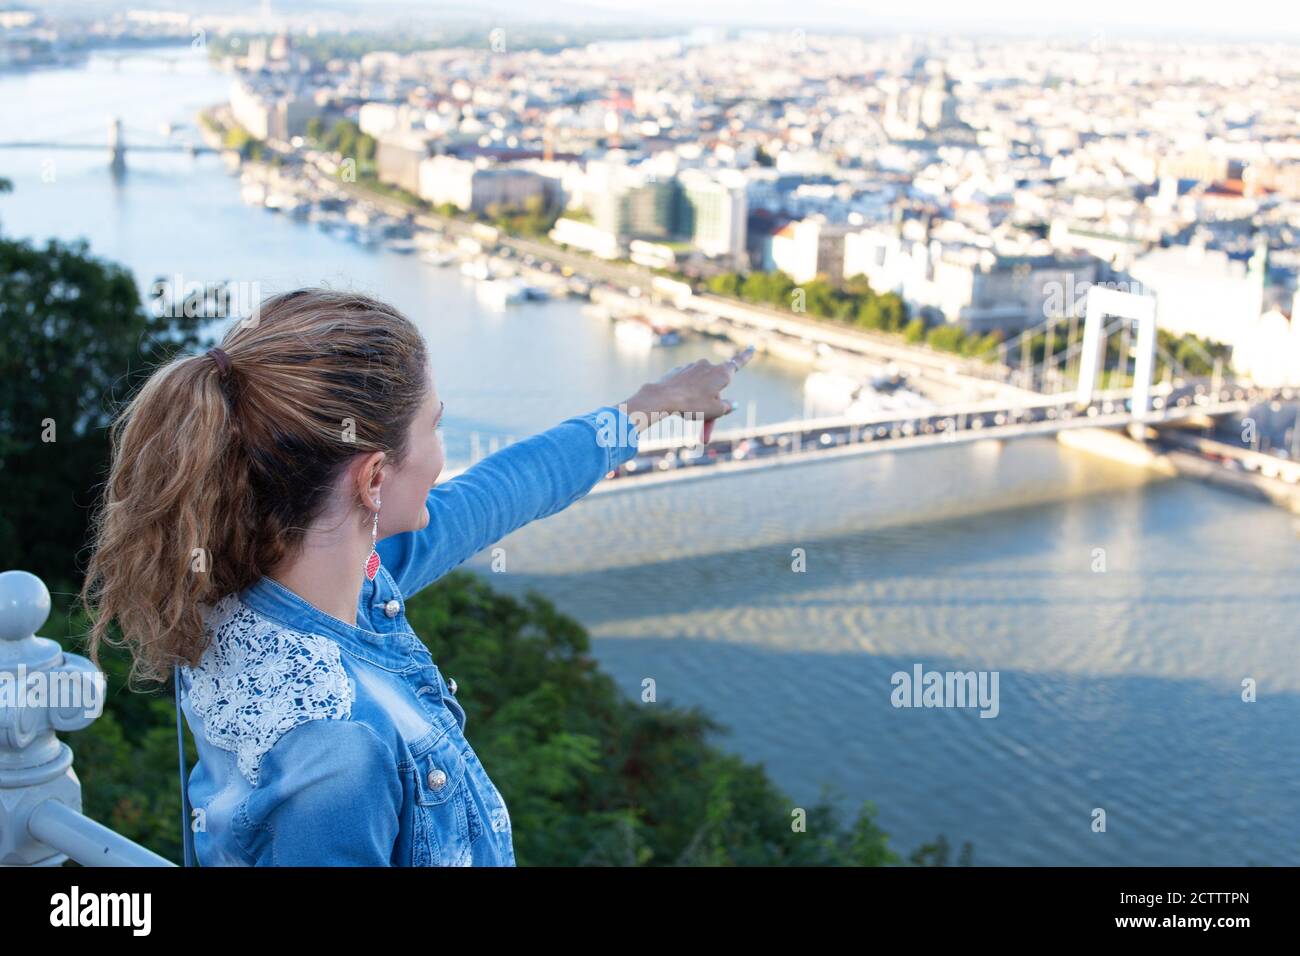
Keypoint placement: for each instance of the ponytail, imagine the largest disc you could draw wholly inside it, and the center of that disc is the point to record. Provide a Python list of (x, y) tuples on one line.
[(169, 504)]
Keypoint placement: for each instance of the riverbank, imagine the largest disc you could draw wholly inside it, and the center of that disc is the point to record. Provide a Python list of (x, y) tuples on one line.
[(792, 335), (1213, 463), (510, 270)]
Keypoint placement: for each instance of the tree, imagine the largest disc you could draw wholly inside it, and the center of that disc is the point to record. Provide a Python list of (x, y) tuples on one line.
[(947, 338), (986, 348), (937, 853), (893, 311), (593, 777), (73, 337), (724, 283)]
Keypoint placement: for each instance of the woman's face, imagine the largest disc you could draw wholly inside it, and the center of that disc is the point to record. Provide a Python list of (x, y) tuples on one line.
[(403, 493)]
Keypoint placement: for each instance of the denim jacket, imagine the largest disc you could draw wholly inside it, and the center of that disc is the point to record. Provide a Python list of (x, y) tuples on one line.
[(322, 743)]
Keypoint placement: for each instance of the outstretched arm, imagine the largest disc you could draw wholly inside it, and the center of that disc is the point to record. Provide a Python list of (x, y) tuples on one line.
[(544, 474), (530, 479)]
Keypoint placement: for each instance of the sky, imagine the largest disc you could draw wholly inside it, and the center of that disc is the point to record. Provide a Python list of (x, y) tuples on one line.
[(1263, 18), (1138, 19)]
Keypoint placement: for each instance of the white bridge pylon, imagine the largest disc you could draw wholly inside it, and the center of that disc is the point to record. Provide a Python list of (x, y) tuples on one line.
[(1103, 302)]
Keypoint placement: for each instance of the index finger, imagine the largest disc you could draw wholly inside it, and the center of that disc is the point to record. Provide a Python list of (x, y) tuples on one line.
[(741, 358)]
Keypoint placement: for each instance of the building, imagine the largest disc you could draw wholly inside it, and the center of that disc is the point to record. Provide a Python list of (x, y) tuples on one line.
[(256, 58), (714, 212), (1096, 239), (638, 207), (883, 256), (966, 284), (939, 103), (586, 236), (1268, 351), (806, 248), (1273, 177), (379, 119), (1200, 165), (398, 157), (471, 187), (267, 116), (1201, 291)]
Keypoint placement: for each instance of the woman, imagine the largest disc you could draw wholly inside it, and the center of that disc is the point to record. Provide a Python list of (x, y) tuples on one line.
[(242, 542)]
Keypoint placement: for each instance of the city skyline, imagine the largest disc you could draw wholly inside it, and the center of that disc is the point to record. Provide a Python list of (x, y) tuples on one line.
[(1152, 20)]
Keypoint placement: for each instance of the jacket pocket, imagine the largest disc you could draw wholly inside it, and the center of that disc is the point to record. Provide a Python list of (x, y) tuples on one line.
[(446, 823)]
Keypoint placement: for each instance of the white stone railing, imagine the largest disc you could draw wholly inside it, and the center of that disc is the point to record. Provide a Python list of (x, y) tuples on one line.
[(44, 689)]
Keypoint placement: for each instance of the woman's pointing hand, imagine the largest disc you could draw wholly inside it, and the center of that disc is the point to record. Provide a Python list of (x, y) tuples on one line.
[(692, 391)]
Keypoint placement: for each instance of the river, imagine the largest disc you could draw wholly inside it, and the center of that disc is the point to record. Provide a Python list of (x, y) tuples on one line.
[(1121, 613)]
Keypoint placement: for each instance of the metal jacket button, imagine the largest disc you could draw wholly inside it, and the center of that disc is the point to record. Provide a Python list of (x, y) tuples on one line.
[(451, 684), (392, 607), (437, 779)]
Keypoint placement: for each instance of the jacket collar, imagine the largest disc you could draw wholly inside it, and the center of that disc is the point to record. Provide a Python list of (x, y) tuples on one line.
[(390, 650)]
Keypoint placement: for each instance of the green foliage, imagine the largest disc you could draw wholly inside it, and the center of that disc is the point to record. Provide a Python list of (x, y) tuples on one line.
[(344, 137), (592, 777), (856, 303), (985, 348), (351, 46), (853, 303), (238, 138), (1194, 354), (249, 147), (534, 219), (937, 853), (367, 179), (946, 338), (73, 338)]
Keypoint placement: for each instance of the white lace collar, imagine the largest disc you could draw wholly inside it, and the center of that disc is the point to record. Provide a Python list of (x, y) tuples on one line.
[(258, 680)]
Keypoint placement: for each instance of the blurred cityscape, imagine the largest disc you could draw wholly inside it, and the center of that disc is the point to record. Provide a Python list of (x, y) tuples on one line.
[(988, 184)]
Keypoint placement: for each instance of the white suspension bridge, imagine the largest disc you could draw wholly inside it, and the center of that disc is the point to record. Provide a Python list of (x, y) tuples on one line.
[(1041, 397)]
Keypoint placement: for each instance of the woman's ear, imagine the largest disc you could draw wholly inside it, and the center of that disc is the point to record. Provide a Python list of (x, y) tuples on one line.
[(370, 476)]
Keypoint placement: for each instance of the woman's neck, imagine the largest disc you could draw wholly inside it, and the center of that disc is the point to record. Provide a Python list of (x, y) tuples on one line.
[(322, 578)]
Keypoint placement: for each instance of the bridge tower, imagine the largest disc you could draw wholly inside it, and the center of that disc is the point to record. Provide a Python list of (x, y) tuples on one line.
[(116, 145), (1104, 302)]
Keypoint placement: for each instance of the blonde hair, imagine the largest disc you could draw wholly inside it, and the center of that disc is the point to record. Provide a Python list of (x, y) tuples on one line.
[(216, 474)]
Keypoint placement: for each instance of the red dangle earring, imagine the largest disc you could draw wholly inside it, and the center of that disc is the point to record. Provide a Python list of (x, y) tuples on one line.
[(372, 562)]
